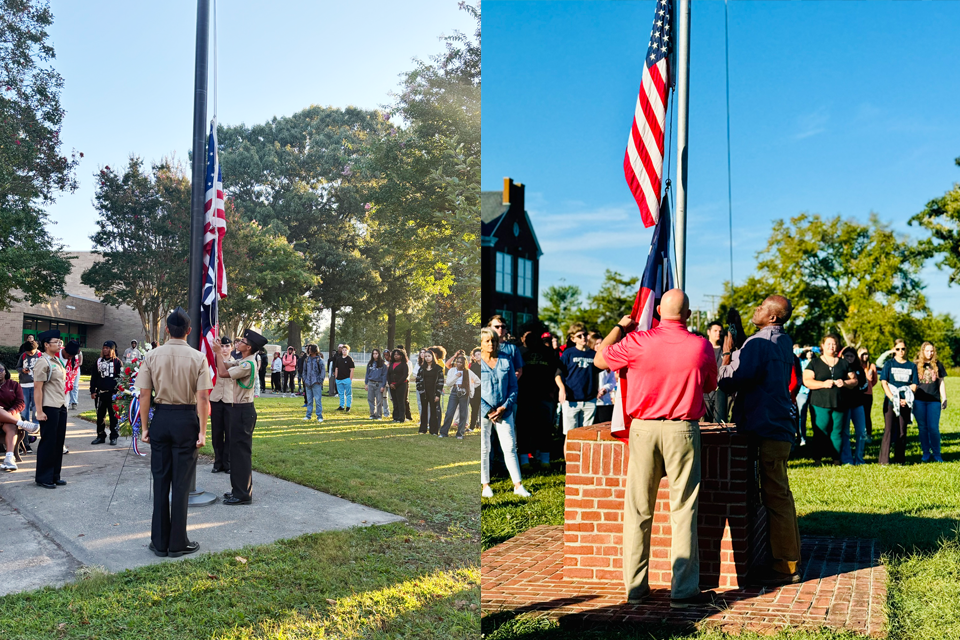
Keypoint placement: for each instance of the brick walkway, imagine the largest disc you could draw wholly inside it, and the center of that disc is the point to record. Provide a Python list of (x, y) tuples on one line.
[(844, 587)]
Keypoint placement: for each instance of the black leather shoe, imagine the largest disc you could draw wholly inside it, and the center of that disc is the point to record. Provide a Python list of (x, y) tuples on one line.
[(701, 599), (228, 494), (215, 470), (46, 485), (231, 500), (191, 548), (59, 483), (99, 440), (113, 440), (162, 554)]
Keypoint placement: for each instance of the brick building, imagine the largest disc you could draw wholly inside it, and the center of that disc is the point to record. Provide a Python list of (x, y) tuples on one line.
[(80, 315), (509, 257)]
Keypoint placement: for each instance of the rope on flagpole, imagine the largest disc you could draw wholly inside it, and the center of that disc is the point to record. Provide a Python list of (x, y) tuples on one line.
[(726, 47), (214, 60)]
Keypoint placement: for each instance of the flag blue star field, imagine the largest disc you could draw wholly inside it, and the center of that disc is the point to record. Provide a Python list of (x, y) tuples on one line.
[(215, 278)]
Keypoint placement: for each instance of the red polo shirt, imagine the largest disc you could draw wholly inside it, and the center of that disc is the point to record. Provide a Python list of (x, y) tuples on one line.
[(668, 371)]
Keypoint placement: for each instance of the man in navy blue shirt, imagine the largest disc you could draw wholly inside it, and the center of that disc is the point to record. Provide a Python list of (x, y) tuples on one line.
[(577, 379)]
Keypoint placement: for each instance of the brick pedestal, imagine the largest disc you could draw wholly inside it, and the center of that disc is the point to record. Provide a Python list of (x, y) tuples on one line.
[(732, 522)]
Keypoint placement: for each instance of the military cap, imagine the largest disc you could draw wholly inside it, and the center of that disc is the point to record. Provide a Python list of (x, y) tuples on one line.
[(73, 347), (254, 339), (47, 336)]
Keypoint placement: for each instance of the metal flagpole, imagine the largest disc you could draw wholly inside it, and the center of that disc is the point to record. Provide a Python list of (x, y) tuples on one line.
[(198, 498), (683, 107)]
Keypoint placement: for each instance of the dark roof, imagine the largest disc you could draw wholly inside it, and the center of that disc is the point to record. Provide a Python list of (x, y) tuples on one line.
[(491, 205)]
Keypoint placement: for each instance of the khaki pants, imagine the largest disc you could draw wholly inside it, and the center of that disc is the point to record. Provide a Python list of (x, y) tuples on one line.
[(658, 448), (781, 511)]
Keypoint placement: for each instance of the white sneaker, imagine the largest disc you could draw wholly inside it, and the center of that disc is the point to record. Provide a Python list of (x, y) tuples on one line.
[(307, 419), (30, 427), (8, 463), (319, 419), (486, 493), (520, 491)]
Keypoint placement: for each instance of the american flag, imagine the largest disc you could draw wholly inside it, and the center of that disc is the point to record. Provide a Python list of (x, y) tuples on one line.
[(643, 161), (215, 279), (657, 278)]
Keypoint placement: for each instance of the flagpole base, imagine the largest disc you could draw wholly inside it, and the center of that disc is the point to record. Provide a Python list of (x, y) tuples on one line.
[(201, 499)]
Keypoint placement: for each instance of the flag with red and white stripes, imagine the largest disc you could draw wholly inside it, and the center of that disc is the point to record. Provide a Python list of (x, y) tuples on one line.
[(214, 276), (643, 161)]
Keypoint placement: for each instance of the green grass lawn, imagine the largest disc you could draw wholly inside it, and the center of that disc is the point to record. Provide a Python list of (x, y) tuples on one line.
[(914, 512), (415, 580)]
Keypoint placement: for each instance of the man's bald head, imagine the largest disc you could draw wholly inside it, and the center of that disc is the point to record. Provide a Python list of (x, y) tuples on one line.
[(674, 305), (780, 307)]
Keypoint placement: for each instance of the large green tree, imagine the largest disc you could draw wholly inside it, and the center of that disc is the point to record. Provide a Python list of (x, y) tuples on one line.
[(144, 238), (33, 168), (861, 280), (562, 308), (941, 217)]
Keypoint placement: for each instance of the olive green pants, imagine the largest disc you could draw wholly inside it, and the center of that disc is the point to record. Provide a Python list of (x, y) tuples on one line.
[(658, 448), (781, 510)]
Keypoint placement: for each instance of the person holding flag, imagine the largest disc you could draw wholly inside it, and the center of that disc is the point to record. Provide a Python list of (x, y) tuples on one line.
[(215, 278)]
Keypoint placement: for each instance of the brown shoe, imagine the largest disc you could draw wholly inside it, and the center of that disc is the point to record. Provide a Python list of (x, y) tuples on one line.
[(701, 599)]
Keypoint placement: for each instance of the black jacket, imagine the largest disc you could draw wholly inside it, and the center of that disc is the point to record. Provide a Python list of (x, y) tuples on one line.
[(102, 380)]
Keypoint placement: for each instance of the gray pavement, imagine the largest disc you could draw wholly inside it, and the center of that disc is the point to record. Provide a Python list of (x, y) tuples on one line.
[(102, 516)]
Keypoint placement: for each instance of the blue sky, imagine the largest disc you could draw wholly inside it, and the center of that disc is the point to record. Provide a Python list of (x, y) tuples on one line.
[(128, 72), (836, 108)]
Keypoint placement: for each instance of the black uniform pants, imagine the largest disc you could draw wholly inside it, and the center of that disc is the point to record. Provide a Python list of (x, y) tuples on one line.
[(263, 378), (475, 409), (894, 434), (53, 432), (398, 393), (242, 418), (430, 413), (275, 380), (174, 432), (220, 435), (104, 408)]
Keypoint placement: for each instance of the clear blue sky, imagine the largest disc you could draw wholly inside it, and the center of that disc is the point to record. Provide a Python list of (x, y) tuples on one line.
[(128, 70), (836, 108)]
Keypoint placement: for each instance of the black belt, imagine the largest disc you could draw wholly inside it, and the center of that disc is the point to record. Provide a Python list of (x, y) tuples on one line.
[(176, 407)]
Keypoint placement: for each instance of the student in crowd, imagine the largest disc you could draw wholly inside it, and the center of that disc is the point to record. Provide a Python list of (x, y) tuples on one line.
[(415, 371), (263, 364), (577, 378), (289, 370), (103, 384), (825, 377), (314, 372), (11, 406), (606, 394), (276, 376), (475, 398), (873, 376), (429, 389), (803, 395), (375, 382), (300, 359), (899, 380), (386, 355), (462, 384), (853, 400), (25, 364), (133, 353), (72, 355), (498, 404), (930, 399), (397, 381), (536, 399), (344, 372)]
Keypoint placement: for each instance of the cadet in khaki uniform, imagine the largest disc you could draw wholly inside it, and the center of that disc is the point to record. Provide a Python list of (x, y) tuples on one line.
[(49, 378), (221, 398), (180, 378), (242, 416)]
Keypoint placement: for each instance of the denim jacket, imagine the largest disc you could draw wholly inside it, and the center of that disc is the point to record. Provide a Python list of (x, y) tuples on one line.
[(498, 386), (760, 375), (376, 375), (314, 371)]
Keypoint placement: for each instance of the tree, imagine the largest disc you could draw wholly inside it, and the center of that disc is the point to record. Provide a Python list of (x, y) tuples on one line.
[(144, 238), (563, 305), (861, 280), (613, 301), (941, 217), (32, 169)]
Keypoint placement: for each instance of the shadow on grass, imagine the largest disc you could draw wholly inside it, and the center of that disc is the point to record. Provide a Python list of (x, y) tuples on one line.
[(897, 532)]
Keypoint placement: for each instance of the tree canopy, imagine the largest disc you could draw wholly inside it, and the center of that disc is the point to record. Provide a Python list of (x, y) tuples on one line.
[(941, 217), (33, 168)]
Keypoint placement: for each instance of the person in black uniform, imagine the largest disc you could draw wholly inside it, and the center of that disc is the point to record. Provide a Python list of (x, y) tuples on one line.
[(50, 377), (241, 416), (180, 378), (103, 384), (220, 400)]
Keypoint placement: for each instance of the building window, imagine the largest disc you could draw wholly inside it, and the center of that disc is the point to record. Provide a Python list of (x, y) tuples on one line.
[(525, 277), (504, 273), (523, 318), (68, 330)]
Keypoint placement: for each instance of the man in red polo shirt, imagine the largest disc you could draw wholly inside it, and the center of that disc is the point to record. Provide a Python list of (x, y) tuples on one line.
[(668, 371)]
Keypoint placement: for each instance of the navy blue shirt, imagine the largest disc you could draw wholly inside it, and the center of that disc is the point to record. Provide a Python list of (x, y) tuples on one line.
[(899, 374), (578, 374)]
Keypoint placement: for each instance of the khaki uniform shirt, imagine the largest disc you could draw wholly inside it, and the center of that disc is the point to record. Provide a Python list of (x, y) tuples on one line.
[(175, 371), (51, 372), (240, 372), (223, 390)]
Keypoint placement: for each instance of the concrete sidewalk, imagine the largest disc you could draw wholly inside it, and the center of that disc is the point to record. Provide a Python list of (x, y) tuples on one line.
[(102, 516)]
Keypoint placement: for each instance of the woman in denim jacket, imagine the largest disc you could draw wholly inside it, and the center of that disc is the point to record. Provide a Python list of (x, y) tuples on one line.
[(375, 382), (498, 401)]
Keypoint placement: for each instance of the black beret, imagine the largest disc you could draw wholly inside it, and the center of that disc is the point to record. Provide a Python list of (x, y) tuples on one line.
[(226, 341), (254, 339), (178, 319), (47, 336)]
